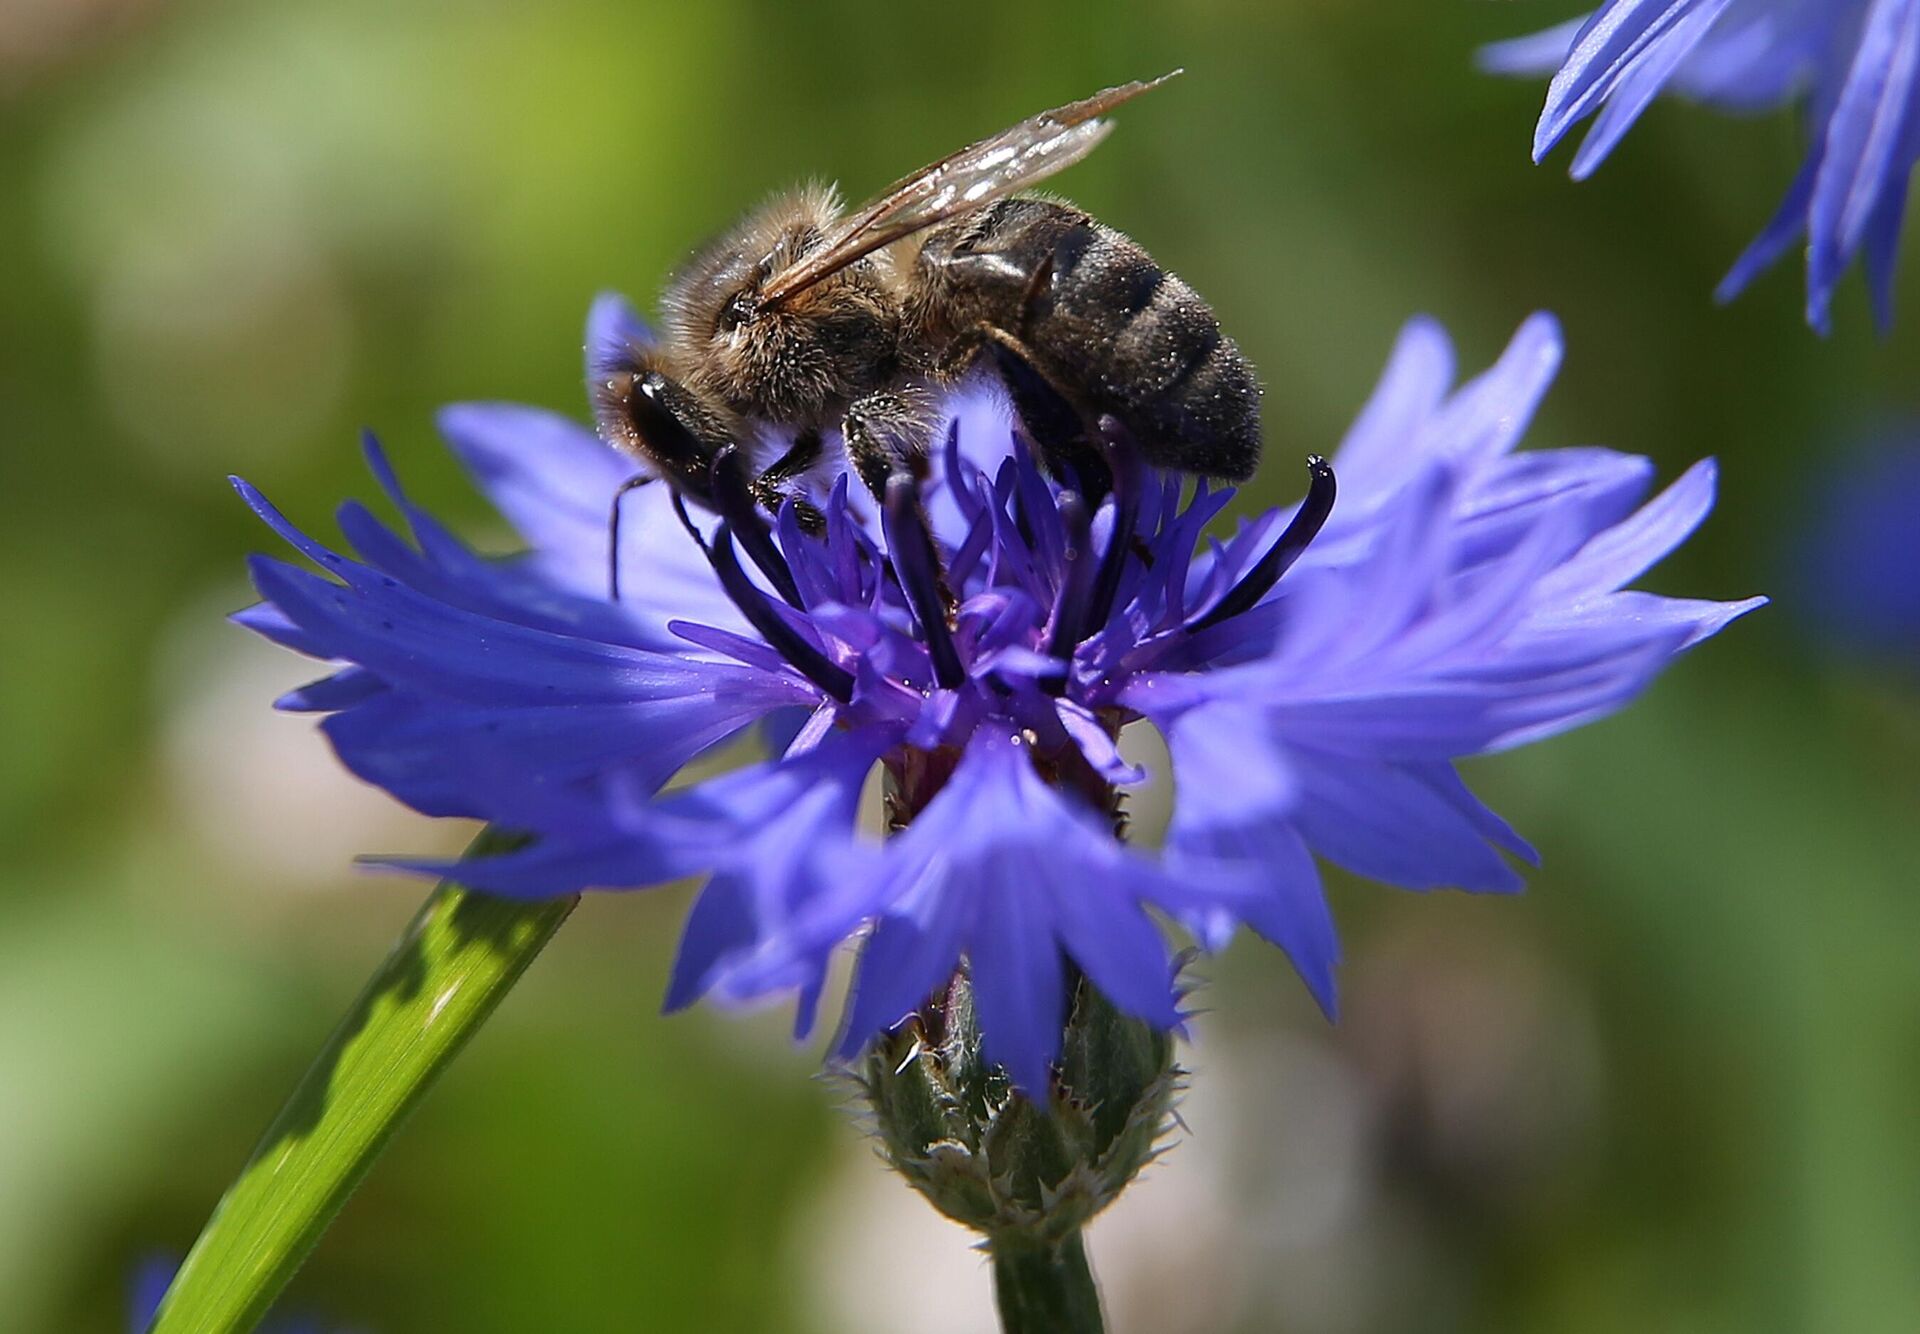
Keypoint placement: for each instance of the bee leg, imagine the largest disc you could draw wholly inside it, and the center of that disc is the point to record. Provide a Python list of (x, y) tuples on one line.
[(887, 433), (1038, 281), (1052, 422), (769, 488), (886, 437)]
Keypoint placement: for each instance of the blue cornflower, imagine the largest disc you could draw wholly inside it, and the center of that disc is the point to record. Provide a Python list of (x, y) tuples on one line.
[(1855, 576), (1853, 64), (153, 1276), (984, 635)]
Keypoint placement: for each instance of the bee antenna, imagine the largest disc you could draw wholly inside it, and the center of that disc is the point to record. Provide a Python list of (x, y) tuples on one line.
[(633, 483)]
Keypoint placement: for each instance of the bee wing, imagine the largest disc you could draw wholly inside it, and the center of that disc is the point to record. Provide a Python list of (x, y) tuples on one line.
[(975, 176)]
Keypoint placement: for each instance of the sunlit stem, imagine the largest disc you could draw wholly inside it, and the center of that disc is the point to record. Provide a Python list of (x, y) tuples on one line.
[(461, 955)]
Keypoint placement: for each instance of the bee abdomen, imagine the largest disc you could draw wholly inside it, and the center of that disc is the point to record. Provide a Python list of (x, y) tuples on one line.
[(1162, 365), (1109, 329)]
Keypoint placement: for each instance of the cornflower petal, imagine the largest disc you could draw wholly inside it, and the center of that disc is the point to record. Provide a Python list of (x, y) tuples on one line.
[(1605, 53), (1870, 146), (1004, 869), (615, 332), (1536, 53), (1853, 64)]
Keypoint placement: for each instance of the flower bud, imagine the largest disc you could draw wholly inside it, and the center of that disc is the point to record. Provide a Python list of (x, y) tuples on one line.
[(987, 1155)]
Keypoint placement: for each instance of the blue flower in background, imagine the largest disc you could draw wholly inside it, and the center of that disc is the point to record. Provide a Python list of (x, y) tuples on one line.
[(1856, 570), (984, 636), (154, 1276), (1853, 64)]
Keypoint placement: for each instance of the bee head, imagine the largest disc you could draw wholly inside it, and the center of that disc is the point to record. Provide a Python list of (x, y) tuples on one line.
[(804, 360)]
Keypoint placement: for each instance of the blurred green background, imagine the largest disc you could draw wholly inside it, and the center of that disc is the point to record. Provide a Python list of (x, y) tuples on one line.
[(1672, 1088)]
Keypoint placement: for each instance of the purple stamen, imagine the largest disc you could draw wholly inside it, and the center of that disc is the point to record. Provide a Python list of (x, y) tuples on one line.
[(811, 562), (963, 479), (805, 658), (1266, 572), (849, 550), (733, 497), (972, 547), (916, 565), (1035, 514), (1076, 580), (1123, 462)]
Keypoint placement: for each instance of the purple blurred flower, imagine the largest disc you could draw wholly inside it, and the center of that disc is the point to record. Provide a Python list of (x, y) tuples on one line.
[(1856, 571), (984, 637), (1853, 64), (154, 1276)]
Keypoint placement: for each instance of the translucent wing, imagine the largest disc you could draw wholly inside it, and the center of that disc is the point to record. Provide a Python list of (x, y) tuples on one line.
[(959, 183)]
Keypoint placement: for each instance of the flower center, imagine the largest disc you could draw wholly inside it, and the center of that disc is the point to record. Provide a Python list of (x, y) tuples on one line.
[(1026, 592)]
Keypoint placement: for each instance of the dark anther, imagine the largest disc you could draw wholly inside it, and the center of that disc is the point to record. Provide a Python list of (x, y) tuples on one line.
[(1123, 462), (1077, 581), (733, 497), (1282, 554), (911, 553), (809, 661), (613, 533)]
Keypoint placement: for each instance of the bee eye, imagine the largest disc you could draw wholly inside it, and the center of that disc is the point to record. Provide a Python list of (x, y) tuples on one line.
[(737, 311)]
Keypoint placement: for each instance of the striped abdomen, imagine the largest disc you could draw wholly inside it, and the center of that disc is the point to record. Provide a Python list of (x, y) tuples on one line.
[(1110, 329)]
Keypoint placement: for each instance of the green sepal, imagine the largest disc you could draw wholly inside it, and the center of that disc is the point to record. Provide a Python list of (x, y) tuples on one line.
[(1026, 1175)]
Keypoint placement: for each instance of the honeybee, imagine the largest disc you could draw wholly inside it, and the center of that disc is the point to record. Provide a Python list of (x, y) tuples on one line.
[(810, 320)]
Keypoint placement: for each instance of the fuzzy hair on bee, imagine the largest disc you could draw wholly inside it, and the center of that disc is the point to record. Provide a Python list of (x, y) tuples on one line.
[(832, 344), (805, 320)]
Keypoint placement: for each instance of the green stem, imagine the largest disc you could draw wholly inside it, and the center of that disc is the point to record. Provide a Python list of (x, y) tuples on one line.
[(1045, 1289), (461, 955)]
